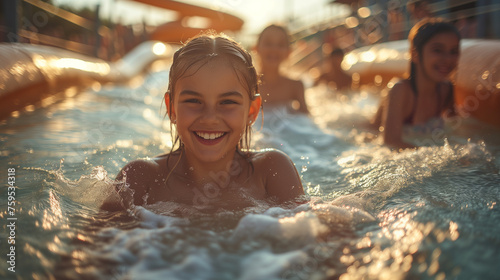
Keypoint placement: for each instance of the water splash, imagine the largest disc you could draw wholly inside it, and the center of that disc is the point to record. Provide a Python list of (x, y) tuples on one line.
[(90, 190)]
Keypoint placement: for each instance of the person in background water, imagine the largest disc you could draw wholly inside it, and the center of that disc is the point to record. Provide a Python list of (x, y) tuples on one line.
[(427, 93), (212, 101), (335, 77), (273, 48)]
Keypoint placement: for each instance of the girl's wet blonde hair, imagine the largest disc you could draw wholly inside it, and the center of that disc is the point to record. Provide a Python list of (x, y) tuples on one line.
[(202, 49)]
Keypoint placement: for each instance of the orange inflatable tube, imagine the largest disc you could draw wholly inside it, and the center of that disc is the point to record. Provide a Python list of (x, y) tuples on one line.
[(478, 81), (378, 64)]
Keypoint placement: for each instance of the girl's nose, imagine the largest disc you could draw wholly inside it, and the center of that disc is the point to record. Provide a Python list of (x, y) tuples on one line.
[(209, 115), (451, 56)]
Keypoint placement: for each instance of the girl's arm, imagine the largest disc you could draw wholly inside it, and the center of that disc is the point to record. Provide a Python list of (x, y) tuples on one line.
[(396, 110), (282, 180)]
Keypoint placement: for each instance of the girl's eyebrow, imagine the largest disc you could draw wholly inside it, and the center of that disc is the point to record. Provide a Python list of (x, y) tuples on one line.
[(226, 94), (189, 92), (439, 44), (232, 93)]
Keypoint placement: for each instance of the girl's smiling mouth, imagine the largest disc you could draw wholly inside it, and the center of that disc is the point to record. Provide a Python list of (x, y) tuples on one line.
[(445, 70), (209, 138)]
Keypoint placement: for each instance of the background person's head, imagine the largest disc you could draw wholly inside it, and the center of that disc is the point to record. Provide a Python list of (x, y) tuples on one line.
[(273, 45)]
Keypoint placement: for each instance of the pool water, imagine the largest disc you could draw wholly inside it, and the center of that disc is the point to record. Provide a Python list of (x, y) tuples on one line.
[(431, 213)]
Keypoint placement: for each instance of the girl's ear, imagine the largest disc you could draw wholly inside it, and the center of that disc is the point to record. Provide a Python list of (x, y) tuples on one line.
[(170, 111), (253, 113)]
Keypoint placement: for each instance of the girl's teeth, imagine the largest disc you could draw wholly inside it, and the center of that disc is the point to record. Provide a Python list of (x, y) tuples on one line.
[(209, 136)]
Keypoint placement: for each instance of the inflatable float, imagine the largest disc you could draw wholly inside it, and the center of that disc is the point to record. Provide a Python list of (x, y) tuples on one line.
[(33, 73), (477, 79)]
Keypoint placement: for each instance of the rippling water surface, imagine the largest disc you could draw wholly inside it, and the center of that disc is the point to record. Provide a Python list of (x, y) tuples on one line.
[(432, 213)]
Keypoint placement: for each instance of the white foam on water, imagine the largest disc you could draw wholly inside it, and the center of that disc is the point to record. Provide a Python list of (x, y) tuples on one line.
[(166, 247), (151, 266), (267, 265), (342, 214), (151, 220), (377, 174), (301, 228)]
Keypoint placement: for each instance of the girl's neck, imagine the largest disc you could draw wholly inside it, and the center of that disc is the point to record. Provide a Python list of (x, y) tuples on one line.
[(202, 172), (425, 85), (270, 74)]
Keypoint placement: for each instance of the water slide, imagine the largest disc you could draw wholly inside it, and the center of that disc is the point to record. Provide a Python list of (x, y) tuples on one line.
[(180, 30)]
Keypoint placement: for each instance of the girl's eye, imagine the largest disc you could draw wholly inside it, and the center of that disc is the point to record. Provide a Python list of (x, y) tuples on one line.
[(192, 100), (228, 102)]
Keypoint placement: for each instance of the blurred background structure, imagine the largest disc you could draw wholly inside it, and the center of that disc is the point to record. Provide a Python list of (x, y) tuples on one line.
[(110, 28)]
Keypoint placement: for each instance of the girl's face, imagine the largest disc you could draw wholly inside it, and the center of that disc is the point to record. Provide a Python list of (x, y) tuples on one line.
[(439, 56), (211, 109), (273, 47)]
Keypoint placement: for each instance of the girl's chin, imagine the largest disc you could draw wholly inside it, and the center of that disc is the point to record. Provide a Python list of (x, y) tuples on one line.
[(440, 77), (441, 74)]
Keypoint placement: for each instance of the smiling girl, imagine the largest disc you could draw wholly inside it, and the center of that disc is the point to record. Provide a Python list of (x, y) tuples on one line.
[(212, 101), (427, 93)]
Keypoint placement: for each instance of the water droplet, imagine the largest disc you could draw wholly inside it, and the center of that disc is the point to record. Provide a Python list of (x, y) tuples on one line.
[(485, 75)]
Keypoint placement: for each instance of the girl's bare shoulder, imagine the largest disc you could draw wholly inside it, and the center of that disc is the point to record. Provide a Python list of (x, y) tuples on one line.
[(258, 155), (148, 167), (269, 160), (401, 90), (401, 85), (278, 174)]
